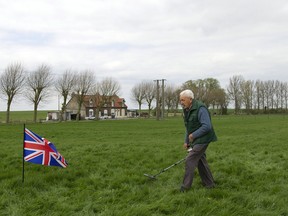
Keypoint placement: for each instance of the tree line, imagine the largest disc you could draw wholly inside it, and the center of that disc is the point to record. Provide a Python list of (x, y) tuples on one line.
[(37, 85), (258, 96), (207, 90), (246, 96)]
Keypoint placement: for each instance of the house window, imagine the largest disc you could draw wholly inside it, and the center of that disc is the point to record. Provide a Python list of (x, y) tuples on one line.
[(91, 113)]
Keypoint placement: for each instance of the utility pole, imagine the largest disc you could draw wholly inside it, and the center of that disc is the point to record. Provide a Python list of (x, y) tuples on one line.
[(163, 99), (158, 99)]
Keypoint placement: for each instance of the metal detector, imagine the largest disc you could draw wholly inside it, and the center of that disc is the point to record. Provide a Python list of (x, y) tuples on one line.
[(154, 176), (178, 162)]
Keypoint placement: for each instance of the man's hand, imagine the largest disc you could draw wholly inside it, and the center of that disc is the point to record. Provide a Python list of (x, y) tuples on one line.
[(186, 146), (191, 137)]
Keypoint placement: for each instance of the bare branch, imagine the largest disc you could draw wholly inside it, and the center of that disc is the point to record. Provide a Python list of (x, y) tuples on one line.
[(11, 84), (39, 83)]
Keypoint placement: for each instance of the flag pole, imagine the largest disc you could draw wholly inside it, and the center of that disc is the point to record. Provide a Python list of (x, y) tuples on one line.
[(23, 154)]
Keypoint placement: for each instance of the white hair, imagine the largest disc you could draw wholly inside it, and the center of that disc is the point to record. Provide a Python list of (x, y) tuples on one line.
[(187, 93)]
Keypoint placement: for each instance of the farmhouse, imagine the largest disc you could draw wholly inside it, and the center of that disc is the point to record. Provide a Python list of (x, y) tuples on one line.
[(107, 107)]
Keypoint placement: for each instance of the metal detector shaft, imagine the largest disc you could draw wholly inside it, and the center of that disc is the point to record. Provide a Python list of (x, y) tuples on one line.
[(154, 176)]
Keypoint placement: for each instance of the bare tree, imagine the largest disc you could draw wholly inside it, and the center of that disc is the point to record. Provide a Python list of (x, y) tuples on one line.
[(83, 83), (234, 91), (247, 94), (222, 100), (64, 85), (106, 89), (170, 97), (177, 99), (262, 94), (109, 87), (277, 92), (282, 95), (11, 84), (39, 83), (149, 94), (138, 94), (285, 95), (258, 95), (266, 95), (271, 92)]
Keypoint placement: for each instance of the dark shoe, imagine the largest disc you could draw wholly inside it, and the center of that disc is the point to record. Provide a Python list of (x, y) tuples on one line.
[(210, 186), (183, 189)]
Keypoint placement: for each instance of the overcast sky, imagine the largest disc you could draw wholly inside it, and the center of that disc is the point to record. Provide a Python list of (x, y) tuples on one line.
[(135, 40)]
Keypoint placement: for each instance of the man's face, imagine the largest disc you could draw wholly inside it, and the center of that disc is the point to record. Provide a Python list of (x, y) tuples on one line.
[(185, 102)]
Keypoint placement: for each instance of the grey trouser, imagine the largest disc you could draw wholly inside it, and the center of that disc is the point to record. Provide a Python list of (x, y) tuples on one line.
[(197, 158)]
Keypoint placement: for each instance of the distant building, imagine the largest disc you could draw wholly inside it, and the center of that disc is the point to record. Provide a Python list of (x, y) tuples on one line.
[(115, 107), (132, 113), (55, 116)]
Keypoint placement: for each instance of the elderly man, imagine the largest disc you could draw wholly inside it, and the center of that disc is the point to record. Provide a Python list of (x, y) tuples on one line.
[(199, 133)]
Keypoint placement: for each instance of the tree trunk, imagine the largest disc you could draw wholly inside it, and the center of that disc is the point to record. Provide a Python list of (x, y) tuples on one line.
[(35, 113), (8, 112)]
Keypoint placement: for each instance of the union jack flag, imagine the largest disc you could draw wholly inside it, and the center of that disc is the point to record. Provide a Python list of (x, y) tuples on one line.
[(40, 151)]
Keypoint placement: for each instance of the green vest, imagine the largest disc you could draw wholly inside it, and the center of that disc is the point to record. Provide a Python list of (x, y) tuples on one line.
[(192, 124)]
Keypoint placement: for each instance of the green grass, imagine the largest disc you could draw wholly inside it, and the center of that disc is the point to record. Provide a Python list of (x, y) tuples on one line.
[(107, 160), (22, 116)]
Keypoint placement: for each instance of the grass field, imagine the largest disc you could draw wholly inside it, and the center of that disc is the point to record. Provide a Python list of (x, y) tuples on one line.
[(107, 160), (22, 116)]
